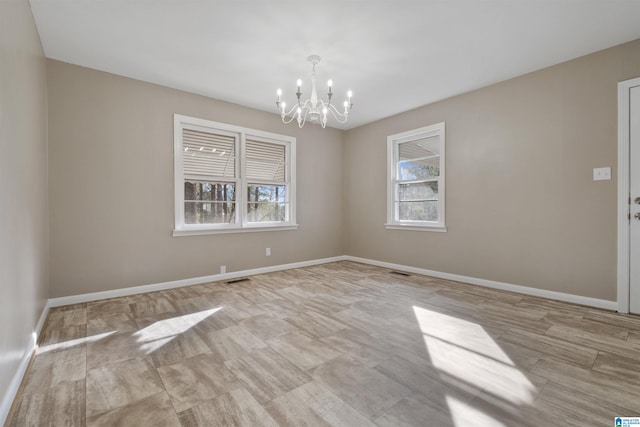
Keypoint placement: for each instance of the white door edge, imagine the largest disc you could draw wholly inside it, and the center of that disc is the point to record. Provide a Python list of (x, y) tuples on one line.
[(623, 193)]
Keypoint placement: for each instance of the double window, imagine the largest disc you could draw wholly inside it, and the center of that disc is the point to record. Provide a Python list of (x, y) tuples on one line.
[(415, 194), (230, 178)]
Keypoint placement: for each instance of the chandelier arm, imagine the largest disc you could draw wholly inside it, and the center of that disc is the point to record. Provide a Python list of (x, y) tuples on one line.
[(303, 121), (340, 117), (335, 111), (291, 114), (286, 120)]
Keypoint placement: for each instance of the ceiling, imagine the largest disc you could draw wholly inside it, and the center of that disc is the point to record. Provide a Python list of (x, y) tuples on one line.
[(394, 55)]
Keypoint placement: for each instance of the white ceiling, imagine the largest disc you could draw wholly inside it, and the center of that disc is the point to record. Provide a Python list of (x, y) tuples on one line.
[(394, 55)]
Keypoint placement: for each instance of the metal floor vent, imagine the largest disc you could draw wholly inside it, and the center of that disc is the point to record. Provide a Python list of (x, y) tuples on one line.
[(401, 273), (238, 280)]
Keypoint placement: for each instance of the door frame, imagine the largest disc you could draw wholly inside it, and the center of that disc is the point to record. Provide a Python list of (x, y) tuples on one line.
[(624, 176)]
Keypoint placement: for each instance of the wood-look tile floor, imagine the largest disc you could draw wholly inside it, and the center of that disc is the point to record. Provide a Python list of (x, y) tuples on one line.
[(341, 344)]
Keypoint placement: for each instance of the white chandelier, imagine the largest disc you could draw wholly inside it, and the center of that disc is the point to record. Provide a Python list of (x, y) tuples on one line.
[(313, 109)]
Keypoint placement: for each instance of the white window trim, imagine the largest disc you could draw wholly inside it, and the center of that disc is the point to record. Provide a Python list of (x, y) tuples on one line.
[(241, 225), (392, 142)]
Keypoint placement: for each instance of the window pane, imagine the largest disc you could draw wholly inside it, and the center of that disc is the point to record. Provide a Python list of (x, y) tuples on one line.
[(209, 202), (266, 203), (266, 193), (267, 212), (265, 161), (206, 190), (419, 169), (418, 211), (418, 192), (423, 147), (209, 212)]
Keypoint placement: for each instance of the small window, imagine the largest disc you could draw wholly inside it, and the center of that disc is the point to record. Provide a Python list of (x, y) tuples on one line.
[(231, 179), (415, 194)]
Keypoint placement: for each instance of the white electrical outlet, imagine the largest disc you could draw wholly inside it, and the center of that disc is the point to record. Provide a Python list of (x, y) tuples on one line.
[(268, 251), (601, 174), (223, 269)]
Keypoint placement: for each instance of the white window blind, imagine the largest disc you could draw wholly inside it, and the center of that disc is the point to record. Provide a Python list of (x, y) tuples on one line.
[(208, 154), (265, 161)]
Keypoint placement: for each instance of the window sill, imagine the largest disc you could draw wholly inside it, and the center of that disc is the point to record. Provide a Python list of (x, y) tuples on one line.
[(411, 227), (249, 229)]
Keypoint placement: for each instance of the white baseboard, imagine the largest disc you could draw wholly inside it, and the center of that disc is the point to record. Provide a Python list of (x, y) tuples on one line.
[(14, 385), (95, 296), (559, 296)]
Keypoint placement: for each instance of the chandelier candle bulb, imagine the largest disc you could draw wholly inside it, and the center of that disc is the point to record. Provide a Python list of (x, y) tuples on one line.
[(313, 109)]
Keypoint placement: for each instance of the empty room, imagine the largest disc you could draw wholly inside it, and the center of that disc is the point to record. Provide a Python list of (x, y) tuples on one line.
[(349, 213)]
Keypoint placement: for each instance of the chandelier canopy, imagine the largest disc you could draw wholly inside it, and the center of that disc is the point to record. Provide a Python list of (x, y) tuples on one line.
[(313, 109)]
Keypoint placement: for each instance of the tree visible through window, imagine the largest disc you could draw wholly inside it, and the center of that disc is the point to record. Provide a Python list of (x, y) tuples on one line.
[(209, 202)]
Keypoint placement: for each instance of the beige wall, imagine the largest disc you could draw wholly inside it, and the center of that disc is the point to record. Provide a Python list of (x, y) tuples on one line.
[(521, 204), (522, 207), (23, 187), (111, 184)]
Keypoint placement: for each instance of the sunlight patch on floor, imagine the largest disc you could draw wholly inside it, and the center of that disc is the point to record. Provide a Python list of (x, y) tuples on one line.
[(464, 414), (162, 332), (73, 343), (464, 350)]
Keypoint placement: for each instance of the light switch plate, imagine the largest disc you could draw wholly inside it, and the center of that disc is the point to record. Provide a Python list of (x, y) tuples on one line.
[(601, 174)]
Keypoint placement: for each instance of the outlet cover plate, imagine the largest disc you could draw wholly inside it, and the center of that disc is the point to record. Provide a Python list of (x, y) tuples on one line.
[(601, 174)]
